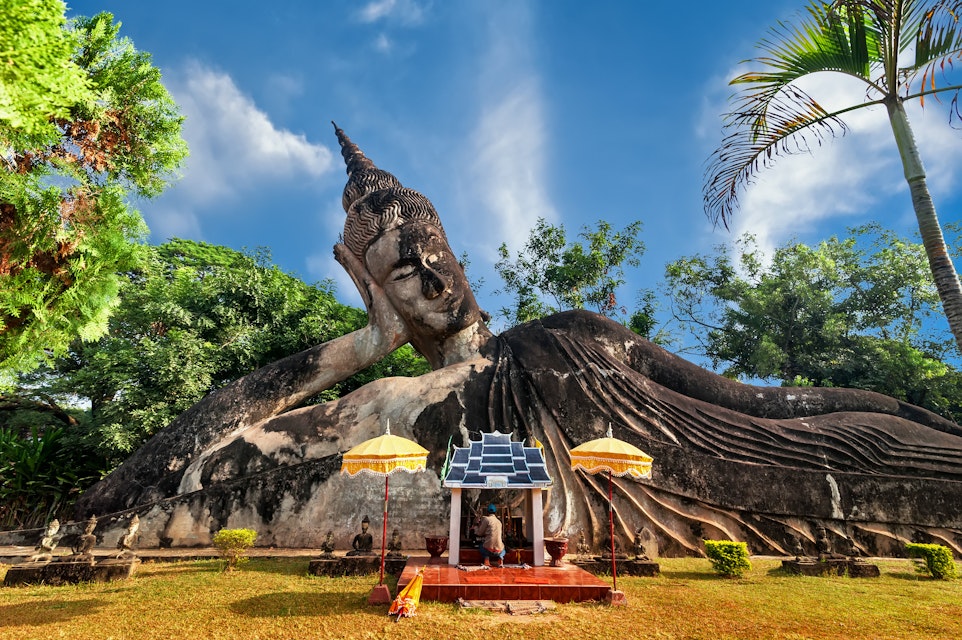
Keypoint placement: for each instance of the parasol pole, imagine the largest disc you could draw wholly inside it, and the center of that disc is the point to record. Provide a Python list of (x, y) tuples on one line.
[(384, 530), (611, 532)]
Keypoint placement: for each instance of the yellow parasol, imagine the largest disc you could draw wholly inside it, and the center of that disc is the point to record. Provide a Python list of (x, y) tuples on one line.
[(382, 456), (618, 458), (406, 602)]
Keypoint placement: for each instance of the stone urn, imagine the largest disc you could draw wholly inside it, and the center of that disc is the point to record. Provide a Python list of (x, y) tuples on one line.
[(557, 548), (436, 545)]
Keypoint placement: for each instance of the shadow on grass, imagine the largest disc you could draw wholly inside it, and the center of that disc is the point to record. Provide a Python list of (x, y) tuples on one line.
[(910, 575), (38, 613), (283, 566), (782, 572), (282, 605), (178, 569)]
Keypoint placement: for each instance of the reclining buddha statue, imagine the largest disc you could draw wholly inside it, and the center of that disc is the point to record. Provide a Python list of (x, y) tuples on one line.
[(766, 465)]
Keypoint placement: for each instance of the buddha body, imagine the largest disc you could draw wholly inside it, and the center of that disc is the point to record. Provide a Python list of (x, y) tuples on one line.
[(759, 463)]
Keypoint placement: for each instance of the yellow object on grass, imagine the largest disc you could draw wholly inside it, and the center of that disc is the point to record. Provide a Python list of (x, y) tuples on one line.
[(406, 603)]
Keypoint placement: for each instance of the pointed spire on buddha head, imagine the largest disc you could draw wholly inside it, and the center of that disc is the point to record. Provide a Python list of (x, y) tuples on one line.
[(374, 199)]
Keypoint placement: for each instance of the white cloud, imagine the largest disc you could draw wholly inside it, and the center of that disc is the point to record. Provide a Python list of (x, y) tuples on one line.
[(234, 149), (509, 142), (383, 44), (406, 12)]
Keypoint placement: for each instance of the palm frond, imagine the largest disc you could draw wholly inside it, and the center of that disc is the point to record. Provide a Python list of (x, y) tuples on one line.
[(824, 41), (792, 122), (938, 44), (771, 116)]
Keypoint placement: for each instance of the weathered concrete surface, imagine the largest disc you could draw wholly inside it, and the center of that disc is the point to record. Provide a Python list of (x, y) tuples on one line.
[(639, 568), (355, 566), (70, 570), (732, 461)]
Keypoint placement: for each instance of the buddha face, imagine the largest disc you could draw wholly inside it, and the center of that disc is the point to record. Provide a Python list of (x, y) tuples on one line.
[(423, 281)]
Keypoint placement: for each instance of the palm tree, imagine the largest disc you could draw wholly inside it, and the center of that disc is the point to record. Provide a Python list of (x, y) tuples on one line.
[(863, 39)]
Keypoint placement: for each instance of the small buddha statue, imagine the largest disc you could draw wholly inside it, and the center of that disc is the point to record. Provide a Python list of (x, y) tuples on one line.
[(327, 547), (606, 547), (48, 542), (584, 550), (125, 544), (86, 543), (394, 546), (854, 552), (363, 543), (640, 554), (824, 545)]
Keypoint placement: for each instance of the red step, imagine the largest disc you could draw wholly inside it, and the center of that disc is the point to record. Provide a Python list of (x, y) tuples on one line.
[(445, 583)]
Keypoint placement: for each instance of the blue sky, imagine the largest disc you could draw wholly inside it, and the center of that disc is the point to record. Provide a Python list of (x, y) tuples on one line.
[(500, 112)]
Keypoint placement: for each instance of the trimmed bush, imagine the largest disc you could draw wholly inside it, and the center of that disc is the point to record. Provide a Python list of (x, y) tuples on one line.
[(729, 559), (938, 560), (233, 545)]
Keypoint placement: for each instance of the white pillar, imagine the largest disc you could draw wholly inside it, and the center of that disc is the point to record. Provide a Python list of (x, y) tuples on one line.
[(537, 522), (454, 531)]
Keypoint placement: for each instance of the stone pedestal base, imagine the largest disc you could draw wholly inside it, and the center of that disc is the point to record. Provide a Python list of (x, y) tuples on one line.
[(355, 566), (640, 568), (833, 567), (863, 570), (380, 595), (616, 598), (69, 571)]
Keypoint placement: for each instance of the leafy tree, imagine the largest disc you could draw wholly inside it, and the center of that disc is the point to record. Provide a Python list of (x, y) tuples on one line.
[(39, 80), (850, 312), (193, 318), (551, 274), (73, 157), (899, 49)]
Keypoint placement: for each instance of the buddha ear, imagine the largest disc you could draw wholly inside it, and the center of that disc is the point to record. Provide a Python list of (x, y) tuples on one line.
[(355, 268)]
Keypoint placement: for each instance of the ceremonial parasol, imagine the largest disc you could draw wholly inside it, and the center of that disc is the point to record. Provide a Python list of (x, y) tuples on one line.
[(618, 458), (406, 602), (383, 456)]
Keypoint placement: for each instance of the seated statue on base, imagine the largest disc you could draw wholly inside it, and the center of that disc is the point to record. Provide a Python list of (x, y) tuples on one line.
[(48, 542), (363, 542)]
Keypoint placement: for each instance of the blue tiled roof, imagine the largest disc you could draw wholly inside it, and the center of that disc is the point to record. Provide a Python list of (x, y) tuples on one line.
[(496, 461)]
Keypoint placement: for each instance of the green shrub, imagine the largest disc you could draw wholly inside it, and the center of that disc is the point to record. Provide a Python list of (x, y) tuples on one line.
[(729, 559), (233, 545), (938, 559)]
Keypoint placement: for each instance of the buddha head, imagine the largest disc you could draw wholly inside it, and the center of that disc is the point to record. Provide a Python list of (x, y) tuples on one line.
[(397, 235)]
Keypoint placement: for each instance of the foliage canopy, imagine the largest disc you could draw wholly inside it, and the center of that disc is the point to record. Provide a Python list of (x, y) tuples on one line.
[(67, 231), (850, 312), (552, 274)]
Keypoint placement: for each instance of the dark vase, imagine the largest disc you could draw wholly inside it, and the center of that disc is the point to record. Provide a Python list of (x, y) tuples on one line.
[(436, 545), (557, 548)]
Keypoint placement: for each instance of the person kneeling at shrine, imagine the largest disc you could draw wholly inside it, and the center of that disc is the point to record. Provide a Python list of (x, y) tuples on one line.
[(489, 531)]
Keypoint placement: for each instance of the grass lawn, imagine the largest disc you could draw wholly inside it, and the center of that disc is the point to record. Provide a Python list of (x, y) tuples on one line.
[(275, 598)]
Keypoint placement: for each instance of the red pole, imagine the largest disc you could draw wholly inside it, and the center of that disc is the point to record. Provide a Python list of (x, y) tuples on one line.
[(611, 527), (384, 531)]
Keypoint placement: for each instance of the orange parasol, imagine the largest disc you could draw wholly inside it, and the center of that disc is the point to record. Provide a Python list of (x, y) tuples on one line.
[(406, 603), (383, 456), (618, 458)]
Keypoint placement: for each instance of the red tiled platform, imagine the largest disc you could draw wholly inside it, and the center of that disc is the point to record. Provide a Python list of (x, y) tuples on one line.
[(444, 583)]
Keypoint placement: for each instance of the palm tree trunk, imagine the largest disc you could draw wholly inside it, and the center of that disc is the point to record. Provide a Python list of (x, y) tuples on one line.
[(943, 271)]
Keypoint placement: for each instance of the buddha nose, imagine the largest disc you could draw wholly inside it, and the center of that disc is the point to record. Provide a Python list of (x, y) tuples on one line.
[(432, 283)]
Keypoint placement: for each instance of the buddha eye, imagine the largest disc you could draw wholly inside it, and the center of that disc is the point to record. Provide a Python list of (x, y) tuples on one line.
[(403, 271)]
